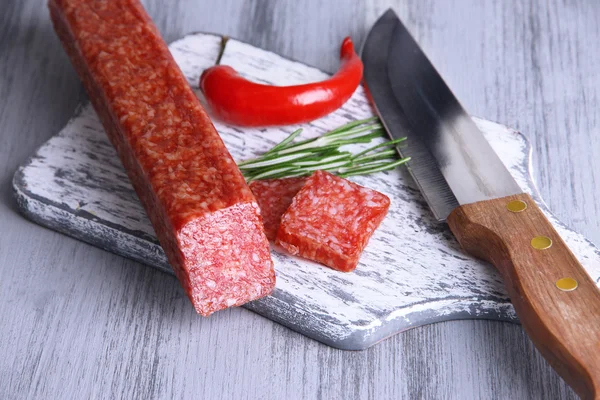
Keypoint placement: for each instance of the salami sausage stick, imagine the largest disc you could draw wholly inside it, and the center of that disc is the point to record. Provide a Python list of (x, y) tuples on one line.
[(204, 214)]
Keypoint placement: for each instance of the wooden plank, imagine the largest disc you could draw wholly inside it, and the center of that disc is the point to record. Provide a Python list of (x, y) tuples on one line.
[(79, 322)]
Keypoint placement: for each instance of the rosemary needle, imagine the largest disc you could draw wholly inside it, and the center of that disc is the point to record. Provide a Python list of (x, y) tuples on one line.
[(289, 159)]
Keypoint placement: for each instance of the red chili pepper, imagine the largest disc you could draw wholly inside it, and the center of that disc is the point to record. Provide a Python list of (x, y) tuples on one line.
[(239, 101)]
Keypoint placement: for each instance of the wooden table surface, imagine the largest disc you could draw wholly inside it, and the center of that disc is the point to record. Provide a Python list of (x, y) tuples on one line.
[(77, 322)]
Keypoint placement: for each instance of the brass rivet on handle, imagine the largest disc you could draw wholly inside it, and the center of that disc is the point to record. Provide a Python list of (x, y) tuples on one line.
[(567, 284), (541, 242), (516, 206)]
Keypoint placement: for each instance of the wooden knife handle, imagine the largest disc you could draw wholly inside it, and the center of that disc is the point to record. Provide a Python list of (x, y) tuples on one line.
[(563, 323)]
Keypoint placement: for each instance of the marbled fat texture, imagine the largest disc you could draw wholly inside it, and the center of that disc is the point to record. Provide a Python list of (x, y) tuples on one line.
[(331, 220)]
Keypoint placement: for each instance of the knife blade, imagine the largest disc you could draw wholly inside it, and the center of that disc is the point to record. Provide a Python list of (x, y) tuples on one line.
[(414, 101), (465, 183)]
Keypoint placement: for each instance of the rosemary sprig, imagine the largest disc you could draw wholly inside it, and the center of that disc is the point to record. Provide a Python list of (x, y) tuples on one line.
[(290, 159)]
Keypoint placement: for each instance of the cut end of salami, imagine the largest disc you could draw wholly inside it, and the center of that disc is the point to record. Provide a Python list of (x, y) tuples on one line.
[(274, 196), (331, 220), (226, 259)]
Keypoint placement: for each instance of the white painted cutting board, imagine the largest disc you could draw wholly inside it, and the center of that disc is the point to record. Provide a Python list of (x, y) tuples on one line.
[(412, 272)]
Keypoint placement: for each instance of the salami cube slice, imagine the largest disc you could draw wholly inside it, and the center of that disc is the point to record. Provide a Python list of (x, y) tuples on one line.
[(331, 220), (203, 213), (274, 196)]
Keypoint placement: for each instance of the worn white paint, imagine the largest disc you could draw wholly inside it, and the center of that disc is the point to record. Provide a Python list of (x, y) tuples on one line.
[(411, 273)]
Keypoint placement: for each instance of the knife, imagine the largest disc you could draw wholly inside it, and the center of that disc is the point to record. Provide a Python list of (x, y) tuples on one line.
[(467, 185)]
